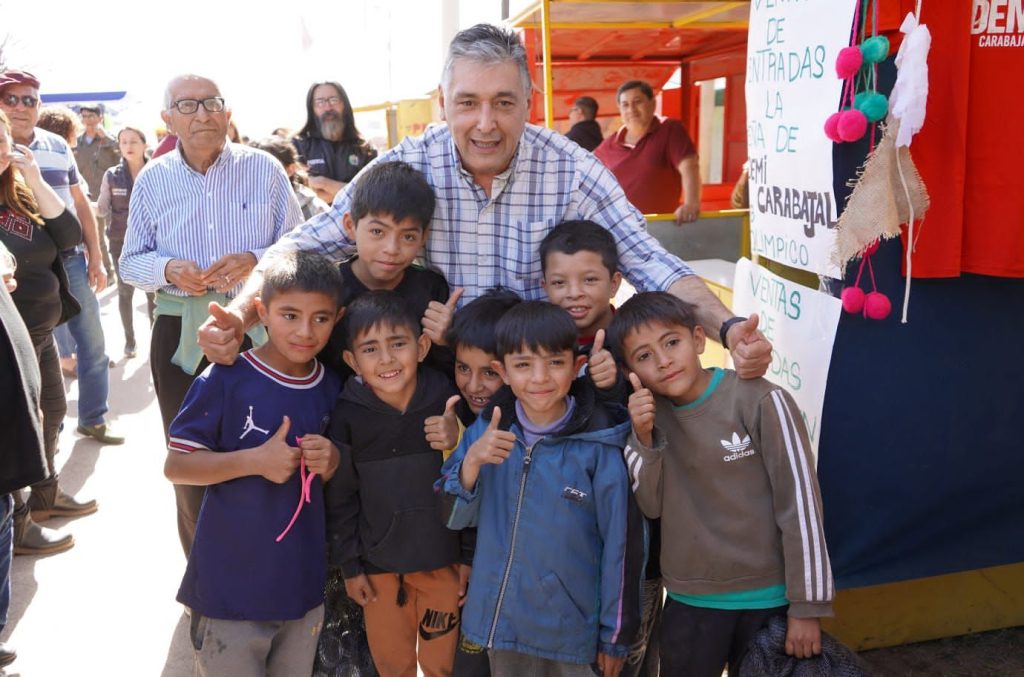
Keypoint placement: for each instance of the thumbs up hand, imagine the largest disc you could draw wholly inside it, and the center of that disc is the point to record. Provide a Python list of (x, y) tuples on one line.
[(641, 411), (493, 447), (443, 431), (220, 336), (601, 364), (438, 317), (751, 351), (277, 459)]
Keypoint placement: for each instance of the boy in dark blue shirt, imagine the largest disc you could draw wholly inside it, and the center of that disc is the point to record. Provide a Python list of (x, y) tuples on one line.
[(255, 580)]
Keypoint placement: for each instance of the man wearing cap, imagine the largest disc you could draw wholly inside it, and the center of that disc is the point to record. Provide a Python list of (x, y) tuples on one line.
[(199, 219), (19, 98), (654, 159), (95, 153)]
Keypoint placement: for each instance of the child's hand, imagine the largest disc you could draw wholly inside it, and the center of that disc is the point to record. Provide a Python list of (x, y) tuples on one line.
[(601, 364), (360, 590), (322, 457), (610, 666), (443, 431), (494, 445), (277, 460), (438, 317), (641, 411), (464, 571), (803, 637)]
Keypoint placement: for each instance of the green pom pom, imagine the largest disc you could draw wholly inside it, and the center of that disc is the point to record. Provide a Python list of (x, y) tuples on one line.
[(872, 104), (875, 49)]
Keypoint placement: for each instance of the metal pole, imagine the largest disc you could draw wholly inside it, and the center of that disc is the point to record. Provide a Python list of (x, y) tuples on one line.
[(545, 29)]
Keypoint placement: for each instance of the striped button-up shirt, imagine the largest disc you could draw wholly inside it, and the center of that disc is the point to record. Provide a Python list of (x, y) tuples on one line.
[(244, 203), (478, 242)]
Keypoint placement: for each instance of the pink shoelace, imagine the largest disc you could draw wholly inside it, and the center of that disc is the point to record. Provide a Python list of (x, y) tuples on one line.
[(306, 480)]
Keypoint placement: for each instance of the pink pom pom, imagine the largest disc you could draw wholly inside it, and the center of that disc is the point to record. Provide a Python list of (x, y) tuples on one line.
[(852, 125), (871, 248), (831, 128), (848, 62), (877, 306), (853, 300)]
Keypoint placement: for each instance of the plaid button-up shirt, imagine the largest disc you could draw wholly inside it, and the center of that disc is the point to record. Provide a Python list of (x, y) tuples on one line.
[(478, 242)]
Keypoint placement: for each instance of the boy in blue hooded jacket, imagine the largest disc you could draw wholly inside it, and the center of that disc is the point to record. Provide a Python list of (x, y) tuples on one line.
[(541, 476)]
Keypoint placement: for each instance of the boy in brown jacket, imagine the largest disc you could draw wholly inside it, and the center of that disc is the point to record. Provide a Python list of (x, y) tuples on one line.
[(726, 464)]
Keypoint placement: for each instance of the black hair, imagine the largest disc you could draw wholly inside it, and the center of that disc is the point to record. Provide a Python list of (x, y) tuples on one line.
[(587, 106), (647, 90), (474, 324), (535, 326), (646, 308), (570, 237), (395, 189), (304, 271), (312, 127), (281, 148), (375, 308)]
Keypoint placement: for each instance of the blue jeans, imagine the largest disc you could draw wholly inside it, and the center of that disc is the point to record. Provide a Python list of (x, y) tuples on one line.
[(6, 542), (85, 328)]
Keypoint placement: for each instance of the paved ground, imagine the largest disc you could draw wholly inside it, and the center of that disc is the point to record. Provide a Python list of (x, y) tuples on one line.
[(106, 607)]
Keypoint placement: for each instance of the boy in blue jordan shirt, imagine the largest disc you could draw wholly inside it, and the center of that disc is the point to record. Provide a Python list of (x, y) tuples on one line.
[(250, 433)]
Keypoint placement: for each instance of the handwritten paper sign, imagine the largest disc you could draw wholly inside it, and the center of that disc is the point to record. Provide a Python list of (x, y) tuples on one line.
[(791, 89), (801, 324)]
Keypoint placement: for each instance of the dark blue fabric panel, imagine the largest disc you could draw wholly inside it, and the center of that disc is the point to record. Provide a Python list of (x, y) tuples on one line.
[(921, 460)]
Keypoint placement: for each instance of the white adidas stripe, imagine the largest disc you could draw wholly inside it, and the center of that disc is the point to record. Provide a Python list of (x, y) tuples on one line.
[(801, 515)]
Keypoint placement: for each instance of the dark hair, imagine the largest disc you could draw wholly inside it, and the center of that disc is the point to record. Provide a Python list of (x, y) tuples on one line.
[(393, 188), (645, 308), (282, 149), (570, 237), (131, 129), (375, 308), (635, 84), (304, 271), (312, 127), (59, 120), (535, 326), (95, 108), (587, 106), (474, 324)]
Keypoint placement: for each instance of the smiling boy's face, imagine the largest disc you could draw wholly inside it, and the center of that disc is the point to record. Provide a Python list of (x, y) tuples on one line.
[(386, 356), (540, 380), (298, 325), (475, 376), (581, 283), (386, 247), (666, 357)]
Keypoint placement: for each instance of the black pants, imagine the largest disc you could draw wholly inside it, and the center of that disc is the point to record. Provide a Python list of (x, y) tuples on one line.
[(125, 292), (171, 384), (697, 642), (51, 400)]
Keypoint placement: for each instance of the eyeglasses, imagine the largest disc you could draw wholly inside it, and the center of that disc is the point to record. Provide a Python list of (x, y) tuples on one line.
[(329, 101), (213, 104), (26, 100)]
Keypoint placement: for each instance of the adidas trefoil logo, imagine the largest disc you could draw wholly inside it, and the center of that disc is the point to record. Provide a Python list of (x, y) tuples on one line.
[(739, 448)]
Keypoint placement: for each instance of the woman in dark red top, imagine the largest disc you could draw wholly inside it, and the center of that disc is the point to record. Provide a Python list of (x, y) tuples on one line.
[(35, 226)]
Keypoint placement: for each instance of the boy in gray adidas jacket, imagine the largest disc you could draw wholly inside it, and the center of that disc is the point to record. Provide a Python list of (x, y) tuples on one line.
[(726, 464)]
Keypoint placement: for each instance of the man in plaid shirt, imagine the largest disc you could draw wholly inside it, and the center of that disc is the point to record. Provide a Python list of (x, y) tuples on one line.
[(501, 185)]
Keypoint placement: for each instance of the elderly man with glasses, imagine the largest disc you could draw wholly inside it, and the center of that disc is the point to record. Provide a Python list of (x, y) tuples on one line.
[(199, 219)]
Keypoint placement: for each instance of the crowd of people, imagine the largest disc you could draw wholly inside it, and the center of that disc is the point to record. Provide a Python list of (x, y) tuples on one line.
[(405, 425)]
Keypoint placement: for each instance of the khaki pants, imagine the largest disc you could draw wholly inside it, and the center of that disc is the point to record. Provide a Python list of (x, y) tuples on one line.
[(426, 627), (255, 648)]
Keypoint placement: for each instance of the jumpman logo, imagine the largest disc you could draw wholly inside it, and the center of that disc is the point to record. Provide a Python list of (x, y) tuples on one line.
[(250, 426)]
